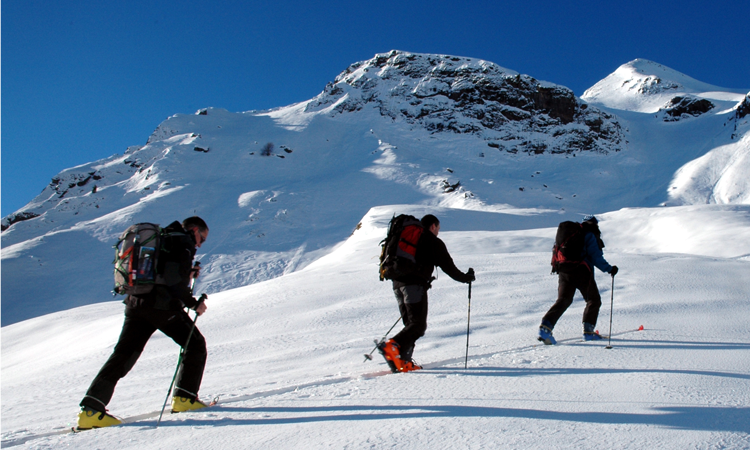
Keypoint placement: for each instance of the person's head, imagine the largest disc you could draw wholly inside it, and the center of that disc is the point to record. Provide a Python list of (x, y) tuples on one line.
[(591, 219), (431, 223), (196, 227)]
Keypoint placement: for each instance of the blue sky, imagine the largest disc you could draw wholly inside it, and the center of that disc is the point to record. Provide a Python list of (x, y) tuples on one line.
[(82, 80)]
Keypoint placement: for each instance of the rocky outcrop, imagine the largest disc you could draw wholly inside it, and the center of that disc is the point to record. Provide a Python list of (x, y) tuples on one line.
[(743, 108), (16, 217), (61, 184), (513, 112), (651, 85), (685, 106)]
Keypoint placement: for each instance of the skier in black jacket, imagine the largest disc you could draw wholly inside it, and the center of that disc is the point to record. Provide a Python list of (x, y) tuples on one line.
[(161, 309), (411, 295)]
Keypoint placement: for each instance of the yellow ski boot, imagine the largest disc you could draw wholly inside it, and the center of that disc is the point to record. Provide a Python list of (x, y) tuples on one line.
[(89, 418), (182, 404)]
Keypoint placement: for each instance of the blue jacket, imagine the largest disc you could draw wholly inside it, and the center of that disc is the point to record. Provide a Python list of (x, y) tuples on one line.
[(593, 255)]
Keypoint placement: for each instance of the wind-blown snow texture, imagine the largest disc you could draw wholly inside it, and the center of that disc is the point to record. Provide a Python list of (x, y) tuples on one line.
[(290, 266)]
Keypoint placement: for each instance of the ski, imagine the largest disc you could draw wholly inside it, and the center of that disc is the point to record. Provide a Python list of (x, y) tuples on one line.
[(151, 415), (75, 429), (580, 339)]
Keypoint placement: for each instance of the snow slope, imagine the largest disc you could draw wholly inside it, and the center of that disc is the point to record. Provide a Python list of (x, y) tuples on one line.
[(286, 355), (664, 108)]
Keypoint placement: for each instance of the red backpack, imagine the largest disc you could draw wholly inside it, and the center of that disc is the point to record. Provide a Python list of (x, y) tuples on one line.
[(399, 248)]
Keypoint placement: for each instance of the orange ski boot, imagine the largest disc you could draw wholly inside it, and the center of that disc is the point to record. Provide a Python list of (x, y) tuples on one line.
[(392, 354)]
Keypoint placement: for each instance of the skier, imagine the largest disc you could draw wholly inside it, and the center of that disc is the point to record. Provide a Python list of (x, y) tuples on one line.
[(161, 309), (411, 295), (581, 277)]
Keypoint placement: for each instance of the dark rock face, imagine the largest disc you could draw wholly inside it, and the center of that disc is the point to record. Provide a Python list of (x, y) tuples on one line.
[(513, 112), (16, 217), (743, 108), (61, 185), (681, 107)]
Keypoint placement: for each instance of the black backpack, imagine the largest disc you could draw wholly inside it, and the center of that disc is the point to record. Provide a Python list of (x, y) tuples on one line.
[(136, 259), (567, 253), (399, 248)]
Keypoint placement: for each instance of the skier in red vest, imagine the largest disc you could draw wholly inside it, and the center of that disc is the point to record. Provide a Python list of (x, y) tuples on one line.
[(411, 295)]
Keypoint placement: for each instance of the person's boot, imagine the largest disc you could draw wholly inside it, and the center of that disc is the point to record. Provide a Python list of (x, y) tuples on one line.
[(589, 333), (90, 418), (182, 404), (391, 351), (410, 366), (545, 334)]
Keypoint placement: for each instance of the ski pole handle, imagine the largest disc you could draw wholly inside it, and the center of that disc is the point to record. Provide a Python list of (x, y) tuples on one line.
[(196, 267)]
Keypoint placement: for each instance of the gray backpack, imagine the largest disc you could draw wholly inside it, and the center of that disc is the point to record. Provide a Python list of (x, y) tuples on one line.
[(136, 259)]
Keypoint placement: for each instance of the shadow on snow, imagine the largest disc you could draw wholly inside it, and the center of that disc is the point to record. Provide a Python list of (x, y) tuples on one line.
[(701, 418)]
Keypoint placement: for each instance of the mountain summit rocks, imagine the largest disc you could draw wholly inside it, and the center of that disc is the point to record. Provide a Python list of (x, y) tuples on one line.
[(512, 112)]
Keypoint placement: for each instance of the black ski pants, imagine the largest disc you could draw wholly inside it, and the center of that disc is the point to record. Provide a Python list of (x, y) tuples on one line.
[(581, 279), (412, 304), (140, 323)]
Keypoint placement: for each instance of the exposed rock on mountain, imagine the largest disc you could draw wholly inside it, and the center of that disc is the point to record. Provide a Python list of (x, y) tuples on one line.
[(513, 112), (16, 217), (743, 108), (681, 107)]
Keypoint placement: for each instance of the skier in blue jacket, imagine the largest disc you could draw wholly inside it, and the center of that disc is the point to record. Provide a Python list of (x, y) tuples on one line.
[(581, 278)]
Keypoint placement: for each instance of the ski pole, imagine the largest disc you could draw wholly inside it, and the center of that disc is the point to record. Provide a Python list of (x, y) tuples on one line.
[(177, 369), (182, 351), (611, 307), (369, 355), (468, 322)]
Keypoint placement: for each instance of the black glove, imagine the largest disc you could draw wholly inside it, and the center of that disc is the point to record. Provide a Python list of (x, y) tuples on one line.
[(614, 271), (470, 275), (201, 299)]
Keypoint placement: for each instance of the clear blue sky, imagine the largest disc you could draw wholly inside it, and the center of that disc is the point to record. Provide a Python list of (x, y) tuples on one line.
[(82, 80)]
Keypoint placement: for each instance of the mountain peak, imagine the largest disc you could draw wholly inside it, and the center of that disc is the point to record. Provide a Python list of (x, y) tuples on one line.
[(645, 86), (451, 94)]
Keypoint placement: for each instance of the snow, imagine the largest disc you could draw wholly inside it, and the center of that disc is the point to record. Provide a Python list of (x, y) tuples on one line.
[(295, 302), (287, 354), (719, 176)]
